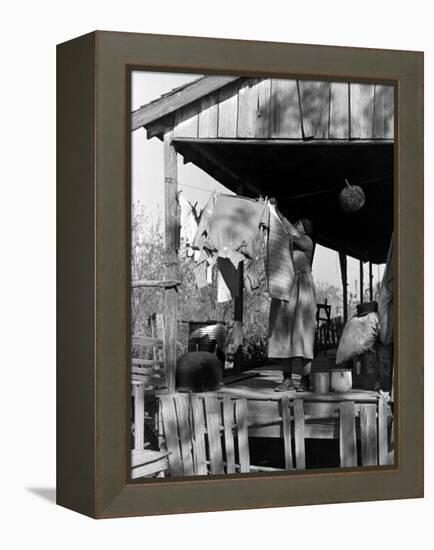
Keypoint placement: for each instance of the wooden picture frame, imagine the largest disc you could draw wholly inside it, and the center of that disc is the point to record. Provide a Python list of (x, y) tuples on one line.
[(94, 277)]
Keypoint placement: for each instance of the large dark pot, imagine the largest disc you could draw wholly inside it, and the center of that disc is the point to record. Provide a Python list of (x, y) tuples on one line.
[(198, 371)]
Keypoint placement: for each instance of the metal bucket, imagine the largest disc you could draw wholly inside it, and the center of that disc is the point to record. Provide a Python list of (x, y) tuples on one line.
[(341, 380), (208, 336), (321, 382)]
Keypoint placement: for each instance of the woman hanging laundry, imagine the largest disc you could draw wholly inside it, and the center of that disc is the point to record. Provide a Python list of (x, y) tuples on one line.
[(292, 321)]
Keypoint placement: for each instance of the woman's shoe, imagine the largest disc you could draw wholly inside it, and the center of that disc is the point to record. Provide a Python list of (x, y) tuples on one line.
[(286, 385), (304, 384)]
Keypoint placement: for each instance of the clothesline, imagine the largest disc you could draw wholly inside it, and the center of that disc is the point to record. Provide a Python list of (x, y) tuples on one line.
[(333, 190), (297, 196), (196, 187)]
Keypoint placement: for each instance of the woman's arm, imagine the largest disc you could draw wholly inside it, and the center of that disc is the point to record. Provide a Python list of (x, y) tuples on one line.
[(290, 229), (303, 242)]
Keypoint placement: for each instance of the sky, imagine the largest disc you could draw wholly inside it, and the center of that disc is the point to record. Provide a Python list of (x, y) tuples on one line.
[(196, 186)]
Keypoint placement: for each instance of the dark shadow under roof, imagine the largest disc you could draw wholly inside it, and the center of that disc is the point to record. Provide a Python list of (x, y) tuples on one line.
[(306, 178)]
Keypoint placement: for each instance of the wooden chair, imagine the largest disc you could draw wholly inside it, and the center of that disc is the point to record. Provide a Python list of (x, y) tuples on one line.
[(149, 367), (209, 435), (374, 440), (147, 374)]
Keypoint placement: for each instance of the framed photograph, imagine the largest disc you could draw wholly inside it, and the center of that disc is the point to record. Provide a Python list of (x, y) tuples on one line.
[(240, 274)]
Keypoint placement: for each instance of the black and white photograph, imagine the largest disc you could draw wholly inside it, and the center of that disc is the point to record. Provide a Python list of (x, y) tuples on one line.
[(262, 275), (217, 236)]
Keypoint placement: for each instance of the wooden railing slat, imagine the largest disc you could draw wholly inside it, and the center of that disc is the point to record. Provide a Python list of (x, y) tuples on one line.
[(287, 435), (228, 415), (168, 415), (347, 435), (198, 431), (383, 455), (368, 434), (212, 412), (243, 439), (181, 406), (300, 455)]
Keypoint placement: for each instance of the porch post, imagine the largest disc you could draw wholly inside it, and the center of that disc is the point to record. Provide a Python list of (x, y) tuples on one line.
[(361, 280), (343, 264), (371, 289), (171, 219), (237, 334)]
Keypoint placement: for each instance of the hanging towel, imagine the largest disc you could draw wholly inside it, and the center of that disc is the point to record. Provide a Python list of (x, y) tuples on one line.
[(280, 267)]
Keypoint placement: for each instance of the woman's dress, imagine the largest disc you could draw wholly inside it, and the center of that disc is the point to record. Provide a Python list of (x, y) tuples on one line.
[(292, 323)]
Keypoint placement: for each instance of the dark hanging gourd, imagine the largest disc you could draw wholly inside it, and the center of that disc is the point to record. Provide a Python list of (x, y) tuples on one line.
[(351, 198)]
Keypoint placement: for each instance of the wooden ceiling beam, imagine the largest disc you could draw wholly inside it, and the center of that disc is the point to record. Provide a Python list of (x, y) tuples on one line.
[(284, 142)]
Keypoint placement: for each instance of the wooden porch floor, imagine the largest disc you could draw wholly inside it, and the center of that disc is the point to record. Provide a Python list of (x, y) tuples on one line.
[(262, 385)]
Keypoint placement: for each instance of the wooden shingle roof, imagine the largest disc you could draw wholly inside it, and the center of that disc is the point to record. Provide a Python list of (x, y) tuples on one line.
[(177, 99)]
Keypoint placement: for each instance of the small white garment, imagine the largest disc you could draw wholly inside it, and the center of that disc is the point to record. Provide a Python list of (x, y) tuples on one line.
[(223, 291), (188, 224), (209, 274)]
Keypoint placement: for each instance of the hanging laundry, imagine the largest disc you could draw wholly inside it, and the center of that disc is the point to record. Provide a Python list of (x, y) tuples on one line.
[(189, 221), (200, 270), (200, 274), (385, 299), (230, 276), (223, 292), (230, 225), (251, 280), (209, 274), (280, 266), (202, 227), (231, 228)]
